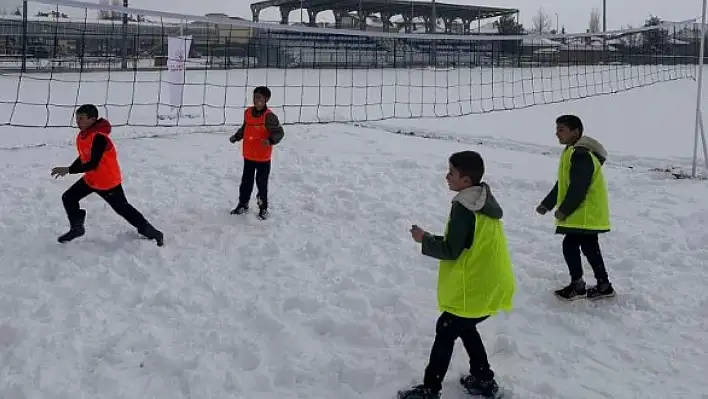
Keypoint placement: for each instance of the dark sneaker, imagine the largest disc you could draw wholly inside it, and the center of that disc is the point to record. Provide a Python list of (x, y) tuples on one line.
[(263, 214), (240, 209), (603, 289), (152, 233), (73, 233), (418, 392), (574, 290), (487, 389)]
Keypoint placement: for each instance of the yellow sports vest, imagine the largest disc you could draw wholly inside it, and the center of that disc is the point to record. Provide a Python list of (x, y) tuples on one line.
[(480, 282), (594, 212)]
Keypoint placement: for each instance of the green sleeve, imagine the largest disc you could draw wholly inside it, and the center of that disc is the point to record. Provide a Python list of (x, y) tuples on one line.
[(460, 235)]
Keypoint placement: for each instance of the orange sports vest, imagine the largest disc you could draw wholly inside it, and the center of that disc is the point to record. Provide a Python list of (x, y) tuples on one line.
[(255, 136), (107, 174)]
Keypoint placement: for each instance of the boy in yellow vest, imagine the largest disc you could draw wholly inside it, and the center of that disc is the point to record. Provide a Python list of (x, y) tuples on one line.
[(475, 279), (580, 195)]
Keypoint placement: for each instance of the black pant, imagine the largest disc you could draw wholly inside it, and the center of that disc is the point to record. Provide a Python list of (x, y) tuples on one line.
[(261, 171), (115, 197), (589, 244), (447, 330)]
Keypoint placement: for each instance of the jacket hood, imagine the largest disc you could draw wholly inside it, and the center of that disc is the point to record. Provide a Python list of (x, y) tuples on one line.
[(102, 125), (479, 199), (592, 145)]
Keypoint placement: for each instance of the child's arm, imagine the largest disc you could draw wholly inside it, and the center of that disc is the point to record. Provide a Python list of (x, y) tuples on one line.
[(551, 199), (98, 147), (238, 136), (275, 130), (460, 235), (581, 171)]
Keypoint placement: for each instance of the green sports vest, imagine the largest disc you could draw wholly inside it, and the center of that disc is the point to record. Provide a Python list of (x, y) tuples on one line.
[(594, 212), (480, 282)]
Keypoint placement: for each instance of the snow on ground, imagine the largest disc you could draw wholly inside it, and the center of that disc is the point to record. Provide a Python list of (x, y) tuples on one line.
[(330, 298)]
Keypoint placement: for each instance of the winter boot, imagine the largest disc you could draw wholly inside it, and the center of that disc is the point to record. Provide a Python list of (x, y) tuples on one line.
[(76, 228), (240, 209), (151, 233), (574, 290), (418, 392), (262, 209), (484, 388)]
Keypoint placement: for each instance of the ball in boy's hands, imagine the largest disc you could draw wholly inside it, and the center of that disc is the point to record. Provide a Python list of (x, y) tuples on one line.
[(417, 233), (541, 210)]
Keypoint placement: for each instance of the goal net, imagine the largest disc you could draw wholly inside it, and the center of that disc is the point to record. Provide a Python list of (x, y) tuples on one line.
[(149, 68)]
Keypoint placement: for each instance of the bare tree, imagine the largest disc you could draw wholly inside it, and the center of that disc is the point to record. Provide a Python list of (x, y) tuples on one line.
[(541, 22), (594, 21)]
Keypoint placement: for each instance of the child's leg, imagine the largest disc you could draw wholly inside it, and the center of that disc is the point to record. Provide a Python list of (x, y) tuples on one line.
[(262, 174), (115, 197), (591, 249), (246, 188), (71, 198), (571, 253), (447, 331), (479, 364), (76, 215)]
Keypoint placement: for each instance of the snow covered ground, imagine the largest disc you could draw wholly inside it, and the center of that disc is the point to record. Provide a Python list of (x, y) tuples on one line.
[(330, 298)]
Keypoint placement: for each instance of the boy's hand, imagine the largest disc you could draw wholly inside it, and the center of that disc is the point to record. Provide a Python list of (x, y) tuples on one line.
[(541, 210), (232, 139), (59, 171), (560, 216), (266, 143), (417, 233)]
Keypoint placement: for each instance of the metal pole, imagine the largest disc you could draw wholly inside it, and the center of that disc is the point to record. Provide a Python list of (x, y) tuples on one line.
[(699, 94), (24, 36), (434, 18), (362, 18), (604, 15), (557, 25), (124, 58)]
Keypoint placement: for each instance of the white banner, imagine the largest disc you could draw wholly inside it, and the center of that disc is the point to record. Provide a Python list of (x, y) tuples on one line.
[(177, 53)]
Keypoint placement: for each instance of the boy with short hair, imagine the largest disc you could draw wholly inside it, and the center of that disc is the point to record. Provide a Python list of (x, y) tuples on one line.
[(475, 279), (583, 208), (260, 131), (98, 161)]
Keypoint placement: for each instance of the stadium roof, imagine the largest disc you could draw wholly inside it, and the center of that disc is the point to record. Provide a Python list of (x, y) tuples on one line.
[(394, 7)]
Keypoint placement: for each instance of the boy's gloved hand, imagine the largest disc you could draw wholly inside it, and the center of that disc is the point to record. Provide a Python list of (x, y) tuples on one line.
[(232, 139), (560, 216), (541, 210)]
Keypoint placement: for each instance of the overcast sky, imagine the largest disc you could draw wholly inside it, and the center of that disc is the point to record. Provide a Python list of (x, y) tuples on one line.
[(573, 14)]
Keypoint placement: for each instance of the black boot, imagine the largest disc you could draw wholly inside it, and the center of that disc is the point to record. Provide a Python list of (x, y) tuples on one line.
[(76, 228), (240, 209), (486, 388), (262, 209), (152, 233)]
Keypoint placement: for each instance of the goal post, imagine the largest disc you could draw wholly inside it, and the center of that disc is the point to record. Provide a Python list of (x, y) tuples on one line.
[(80, 52), (699, 128)]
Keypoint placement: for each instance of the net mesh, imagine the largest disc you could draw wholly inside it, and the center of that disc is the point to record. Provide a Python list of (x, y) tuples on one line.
[(80, 54)]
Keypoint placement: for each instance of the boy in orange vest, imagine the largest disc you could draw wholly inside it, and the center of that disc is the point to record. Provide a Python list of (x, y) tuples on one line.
[(260, 131), (98, 161)]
